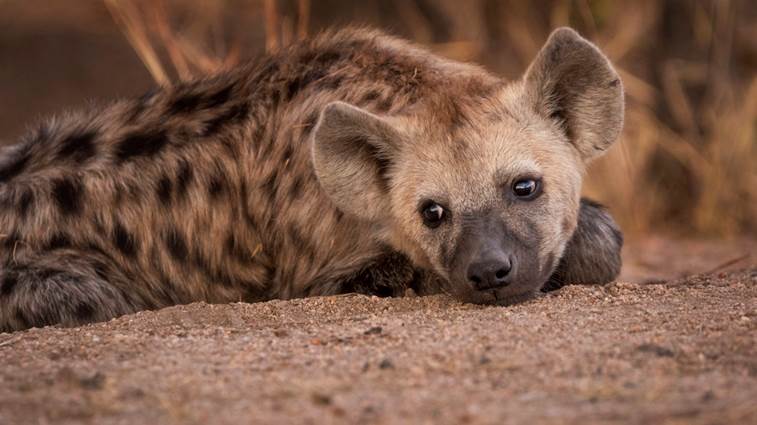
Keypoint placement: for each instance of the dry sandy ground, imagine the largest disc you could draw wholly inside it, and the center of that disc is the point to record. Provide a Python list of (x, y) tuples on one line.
[(677, 352)]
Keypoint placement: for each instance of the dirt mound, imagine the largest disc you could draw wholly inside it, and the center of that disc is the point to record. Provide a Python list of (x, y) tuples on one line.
[(678, 352)]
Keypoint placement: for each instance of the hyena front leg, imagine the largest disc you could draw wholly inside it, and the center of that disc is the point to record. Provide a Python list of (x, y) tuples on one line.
[(593, 253), (59, 289), (390, 275)]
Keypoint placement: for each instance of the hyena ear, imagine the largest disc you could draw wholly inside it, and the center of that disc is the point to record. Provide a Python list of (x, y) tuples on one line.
[(573, 83), (352, 154)]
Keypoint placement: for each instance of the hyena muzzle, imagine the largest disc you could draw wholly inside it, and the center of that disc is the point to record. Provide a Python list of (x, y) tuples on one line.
[(352, 162)]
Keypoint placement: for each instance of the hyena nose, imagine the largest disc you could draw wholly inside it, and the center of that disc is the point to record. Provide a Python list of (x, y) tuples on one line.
[(490, 273)]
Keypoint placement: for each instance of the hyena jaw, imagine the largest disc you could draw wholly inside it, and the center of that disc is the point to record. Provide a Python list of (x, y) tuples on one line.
[(206, 191)]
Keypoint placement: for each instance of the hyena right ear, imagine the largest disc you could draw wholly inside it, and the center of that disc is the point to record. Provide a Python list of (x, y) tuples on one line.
[(574, 84), (353, 151)]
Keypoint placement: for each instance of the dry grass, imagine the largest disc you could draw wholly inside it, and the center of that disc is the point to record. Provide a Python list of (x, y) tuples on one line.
[(687, 159)]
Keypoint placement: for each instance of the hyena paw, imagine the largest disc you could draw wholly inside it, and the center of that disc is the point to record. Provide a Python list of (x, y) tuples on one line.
[(391, 275)]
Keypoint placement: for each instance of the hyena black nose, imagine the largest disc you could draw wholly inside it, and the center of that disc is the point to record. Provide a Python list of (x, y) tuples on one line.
[(490, 273)]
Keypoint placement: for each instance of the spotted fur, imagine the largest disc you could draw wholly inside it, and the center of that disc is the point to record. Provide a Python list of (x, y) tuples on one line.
[(206, 191)]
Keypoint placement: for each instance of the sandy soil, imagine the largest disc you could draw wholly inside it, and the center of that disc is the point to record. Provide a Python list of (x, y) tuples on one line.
[(683, 351)]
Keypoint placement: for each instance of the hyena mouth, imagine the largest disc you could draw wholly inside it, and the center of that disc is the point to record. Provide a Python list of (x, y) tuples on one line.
[(510, 299), (497, 296)]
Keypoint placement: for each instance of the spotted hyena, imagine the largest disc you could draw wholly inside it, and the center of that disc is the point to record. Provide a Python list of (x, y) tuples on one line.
[(353, 162)]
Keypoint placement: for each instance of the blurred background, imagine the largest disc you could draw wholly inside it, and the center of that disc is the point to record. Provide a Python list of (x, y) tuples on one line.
[(685, 168)]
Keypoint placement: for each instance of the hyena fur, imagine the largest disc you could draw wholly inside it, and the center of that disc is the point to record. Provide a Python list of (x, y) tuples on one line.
[(314, 171)]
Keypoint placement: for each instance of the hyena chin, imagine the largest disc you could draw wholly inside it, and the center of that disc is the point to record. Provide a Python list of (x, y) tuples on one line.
[(483, 190), (351, 162)]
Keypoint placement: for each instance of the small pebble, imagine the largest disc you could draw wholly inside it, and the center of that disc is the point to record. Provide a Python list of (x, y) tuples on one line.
[(321, 399)]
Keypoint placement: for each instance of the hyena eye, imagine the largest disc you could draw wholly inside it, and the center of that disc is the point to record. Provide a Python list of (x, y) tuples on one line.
[(433, 214), (527, 189)]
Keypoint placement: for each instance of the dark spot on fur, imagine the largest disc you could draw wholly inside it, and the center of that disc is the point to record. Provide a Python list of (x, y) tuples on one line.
[(165, 187), (183, 178), (185, 103), (68, 194), (124, 241), (101, 270), (275, 97), (46, 273), (15, 167), (59, 240), (84, 312), (176, 245), (328, 57), (141, 144), (217, 185), (79, 147), (25, 202), (614, 83), (370, 96), (300, 83), (191, 102), (288, 152), (220, 97), (10, 280), (235, 115), (293, 87)]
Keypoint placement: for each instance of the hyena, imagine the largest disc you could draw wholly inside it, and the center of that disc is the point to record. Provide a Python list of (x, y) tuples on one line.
[(352, 162)]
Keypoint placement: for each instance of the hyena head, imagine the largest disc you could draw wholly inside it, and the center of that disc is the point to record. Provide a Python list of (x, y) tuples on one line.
[(489, 203)]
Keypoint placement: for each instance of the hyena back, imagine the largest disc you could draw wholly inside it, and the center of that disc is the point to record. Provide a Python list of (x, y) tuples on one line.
[(269, 181)]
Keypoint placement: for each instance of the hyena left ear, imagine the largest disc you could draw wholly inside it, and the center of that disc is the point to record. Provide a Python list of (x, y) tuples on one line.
[(573, 83), (352, 154)]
